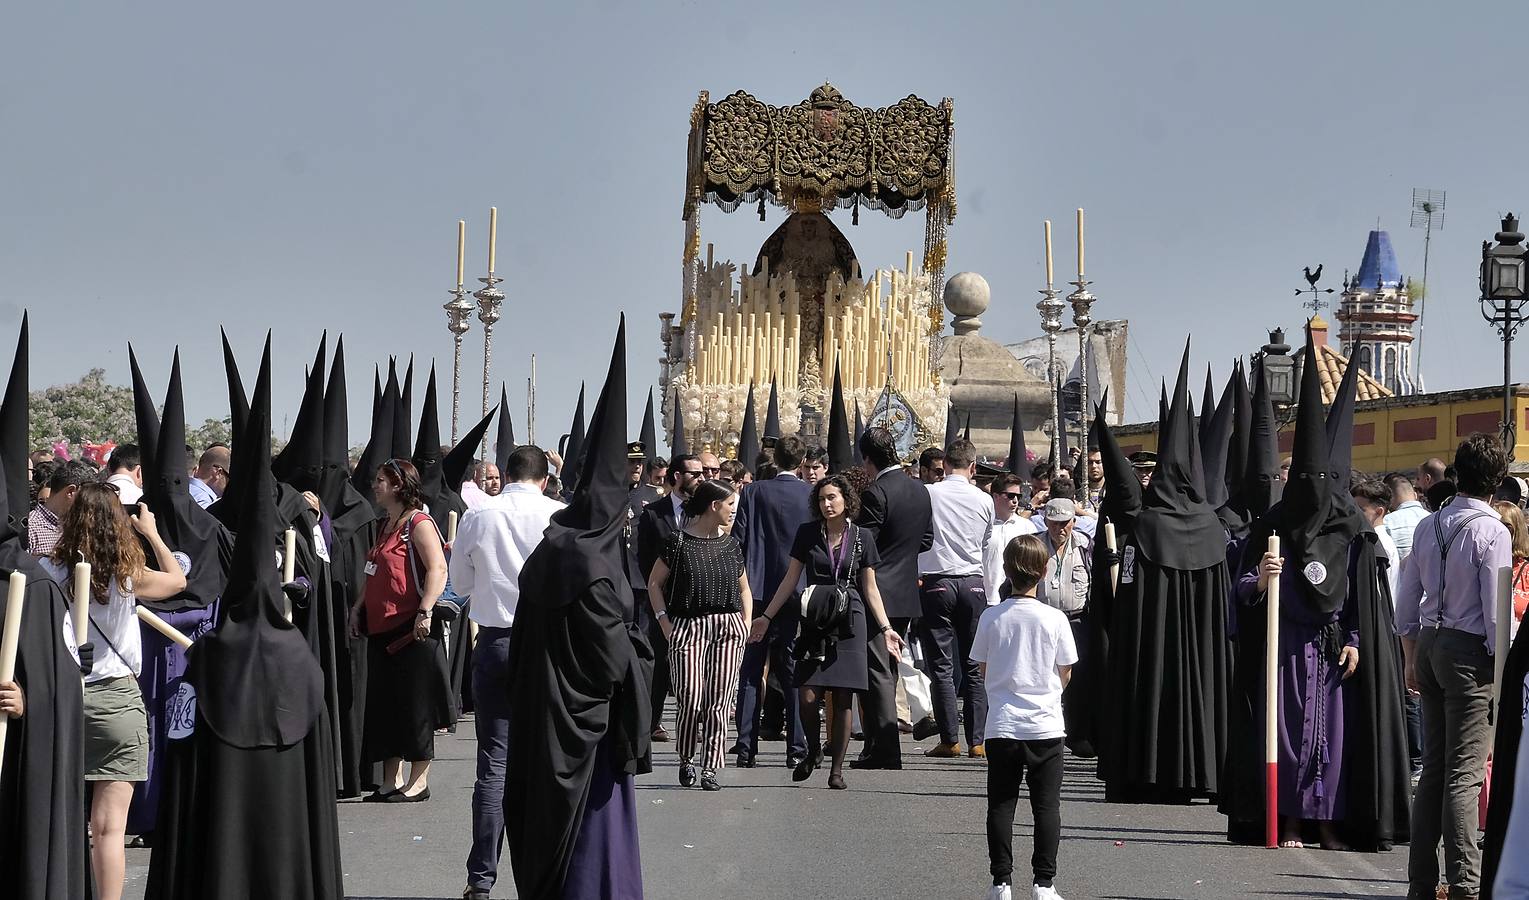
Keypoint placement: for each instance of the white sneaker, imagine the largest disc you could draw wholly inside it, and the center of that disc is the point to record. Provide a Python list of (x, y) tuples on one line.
[(1044, 893), (1000, 892)]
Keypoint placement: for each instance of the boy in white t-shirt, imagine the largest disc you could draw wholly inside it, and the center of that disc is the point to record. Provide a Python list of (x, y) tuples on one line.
[(1026, 651)]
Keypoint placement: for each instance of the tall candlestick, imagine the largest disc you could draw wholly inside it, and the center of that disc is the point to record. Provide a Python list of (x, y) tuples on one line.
[(461, 248), (81, 607), (9, 637), (1049, 277), (493, 234), (1080, 242)]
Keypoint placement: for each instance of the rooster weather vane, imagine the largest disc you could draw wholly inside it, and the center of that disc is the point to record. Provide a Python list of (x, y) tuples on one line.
[(1317, 301)]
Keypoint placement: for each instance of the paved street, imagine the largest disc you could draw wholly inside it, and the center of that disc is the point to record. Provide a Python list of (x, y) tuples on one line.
[(916, 833)]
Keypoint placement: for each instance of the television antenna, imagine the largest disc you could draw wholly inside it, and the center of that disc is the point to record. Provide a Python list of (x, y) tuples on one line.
[(1427, 214)]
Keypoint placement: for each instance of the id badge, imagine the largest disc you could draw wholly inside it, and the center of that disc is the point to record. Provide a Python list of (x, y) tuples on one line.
[(370, 568)]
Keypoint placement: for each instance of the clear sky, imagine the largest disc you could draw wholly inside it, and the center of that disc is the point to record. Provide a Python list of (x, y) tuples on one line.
[(170, 167)]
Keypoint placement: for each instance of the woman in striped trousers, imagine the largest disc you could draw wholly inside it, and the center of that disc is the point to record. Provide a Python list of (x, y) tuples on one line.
[(701, 599)]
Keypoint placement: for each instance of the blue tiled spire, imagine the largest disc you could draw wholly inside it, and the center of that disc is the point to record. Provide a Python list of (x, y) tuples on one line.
[(1379, 262)]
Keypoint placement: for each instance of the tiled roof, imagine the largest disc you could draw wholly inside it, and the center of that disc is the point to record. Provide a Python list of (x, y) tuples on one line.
[(1330, 368)]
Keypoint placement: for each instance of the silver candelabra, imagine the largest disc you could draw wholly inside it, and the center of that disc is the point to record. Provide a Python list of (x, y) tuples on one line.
[(489, 300), (459, 312), (1051, 308), (1081, 300)]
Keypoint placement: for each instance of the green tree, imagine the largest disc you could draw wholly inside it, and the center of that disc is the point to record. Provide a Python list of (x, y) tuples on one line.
[(211, 431), (88, 410)]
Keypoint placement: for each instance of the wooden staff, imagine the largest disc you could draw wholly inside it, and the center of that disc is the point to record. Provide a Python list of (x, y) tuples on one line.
[(1109, 543), (451, 527), (288, 569), (161, 626), (8, 641), (1271, 710)]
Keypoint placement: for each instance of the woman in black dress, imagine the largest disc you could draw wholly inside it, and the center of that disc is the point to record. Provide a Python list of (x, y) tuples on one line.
[(832, 550)]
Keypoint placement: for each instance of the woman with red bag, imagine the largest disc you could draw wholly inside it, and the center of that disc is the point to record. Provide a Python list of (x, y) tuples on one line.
[(407, 687)]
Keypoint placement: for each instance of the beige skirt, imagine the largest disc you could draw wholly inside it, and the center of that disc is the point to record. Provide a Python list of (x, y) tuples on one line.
[(116, 731)]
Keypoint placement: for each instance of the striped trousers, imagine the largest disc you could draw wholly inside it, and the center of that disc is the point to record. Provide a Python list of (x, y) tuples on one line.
[(705, 653)]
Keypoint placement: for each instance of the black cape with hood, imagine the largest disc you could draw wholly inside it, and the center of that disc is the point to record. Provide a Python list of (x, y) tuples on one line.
[(840, 457), (1163, 735), (1511, 706), (1317, 522), (249, 806), (504, 444), (44, 850), (680, 443), (748, 435), (579, 660)]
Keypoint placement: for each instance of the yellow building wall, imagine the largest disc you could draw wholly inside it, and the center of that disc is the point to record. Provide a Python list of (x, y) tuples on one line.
[(1394, 438)]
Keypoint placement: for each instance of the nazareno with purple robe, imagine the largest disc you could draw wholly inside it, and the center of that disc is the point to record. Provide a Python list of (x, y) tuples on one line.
[(1341, 742), (580, 666)]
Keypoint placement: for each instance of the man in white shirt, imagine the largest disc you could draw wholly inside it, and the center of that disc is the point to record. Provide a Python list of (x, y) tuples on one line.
[(1008, 494), (1372, 498), (124, 470), (952, 597), (493, 542), (1406, 513), (1026, 652)]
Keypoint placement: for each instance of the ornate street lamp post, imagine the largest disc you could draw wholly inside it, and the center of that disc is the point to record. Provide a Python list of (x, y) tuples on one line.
[(1504, 293)]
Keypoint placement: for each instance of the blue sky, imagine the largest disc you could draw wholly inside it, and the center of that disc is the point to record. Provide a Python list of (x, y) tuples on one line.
[(175, 166)]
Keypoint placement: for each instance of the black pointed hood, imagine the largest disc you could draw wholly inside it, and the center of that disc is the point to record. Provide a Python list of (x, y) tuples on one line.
[(648, 434), (1261, 482), (1313, 519), (966, 433), (227, 509), (238, 401), (583, 544), (185, 527), (438, 493), (574, 448), (680, 443), (1207, 412), (457, 464), (258, 684), (145, 416), (859, 430), (335, 454), (1339, 428), (1177, 529), (952, 425), (379, 446), (1061, 442), (839, 457), (748, 434), (1215, 436), (505, 444), (772, 414), (301, 461), (15, 419), (1019, 463), (402, 446), (1231, 513), (1122, 489)]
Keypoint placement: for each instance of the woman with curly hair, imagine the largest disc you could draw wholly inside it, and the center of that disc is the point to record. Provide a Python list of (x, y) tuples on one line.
[(408, 694), (97, 530)]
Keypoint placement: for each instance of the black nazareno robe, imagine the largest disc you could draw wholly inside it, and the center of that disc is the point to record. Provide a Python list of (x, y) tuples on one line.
[(1512, 710), (44, 852)]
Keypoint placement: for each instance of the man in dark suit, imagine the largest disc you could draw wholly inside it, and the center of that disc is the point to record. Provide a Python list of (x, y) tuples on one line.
[(769, 514), (895, 508), (655, 520)]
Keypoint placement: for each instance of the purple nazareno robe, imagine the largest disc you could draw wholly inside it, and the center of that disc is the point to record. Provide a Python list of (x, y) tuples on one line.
[(1312, 761), (606, 864), (164, 662)]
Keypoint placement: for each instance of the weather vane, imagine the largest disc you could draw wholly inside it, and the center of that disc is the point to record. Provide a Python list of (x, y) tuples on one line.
[(1317, 301)]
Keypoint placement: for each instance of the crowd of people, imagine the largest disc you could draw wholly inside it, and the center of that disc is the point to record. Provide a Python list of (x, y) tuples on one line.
[(1106, 606)]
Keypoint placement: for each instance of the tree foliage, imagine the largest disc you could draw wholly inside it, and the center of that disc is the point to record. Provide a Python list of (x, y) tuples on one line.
[(93, 411)]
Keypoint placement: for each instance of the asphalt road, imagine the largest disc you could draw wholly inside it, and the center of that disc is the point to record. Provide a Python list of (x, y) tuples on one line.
[(917, 833)]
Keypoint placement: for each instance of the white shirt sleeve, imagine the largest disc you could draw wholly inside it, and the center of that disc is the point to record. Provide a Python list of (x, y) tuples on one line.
[(1513, 871)]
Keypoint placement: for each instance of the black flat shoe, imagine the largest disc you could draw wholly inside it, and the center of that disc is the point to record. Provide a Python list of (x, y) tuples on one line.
[(925, 728), (380, 796), (803, 770), (794, 761), (745, 761), (709, 782), (687, 775), (401, 797), (836, 782)]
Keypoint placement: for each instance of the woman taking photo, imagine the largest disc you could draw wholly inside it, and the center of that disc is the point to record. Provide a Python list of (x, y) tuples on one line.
[(97, 530), (831, 655), (407, 692), (700, 596)]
